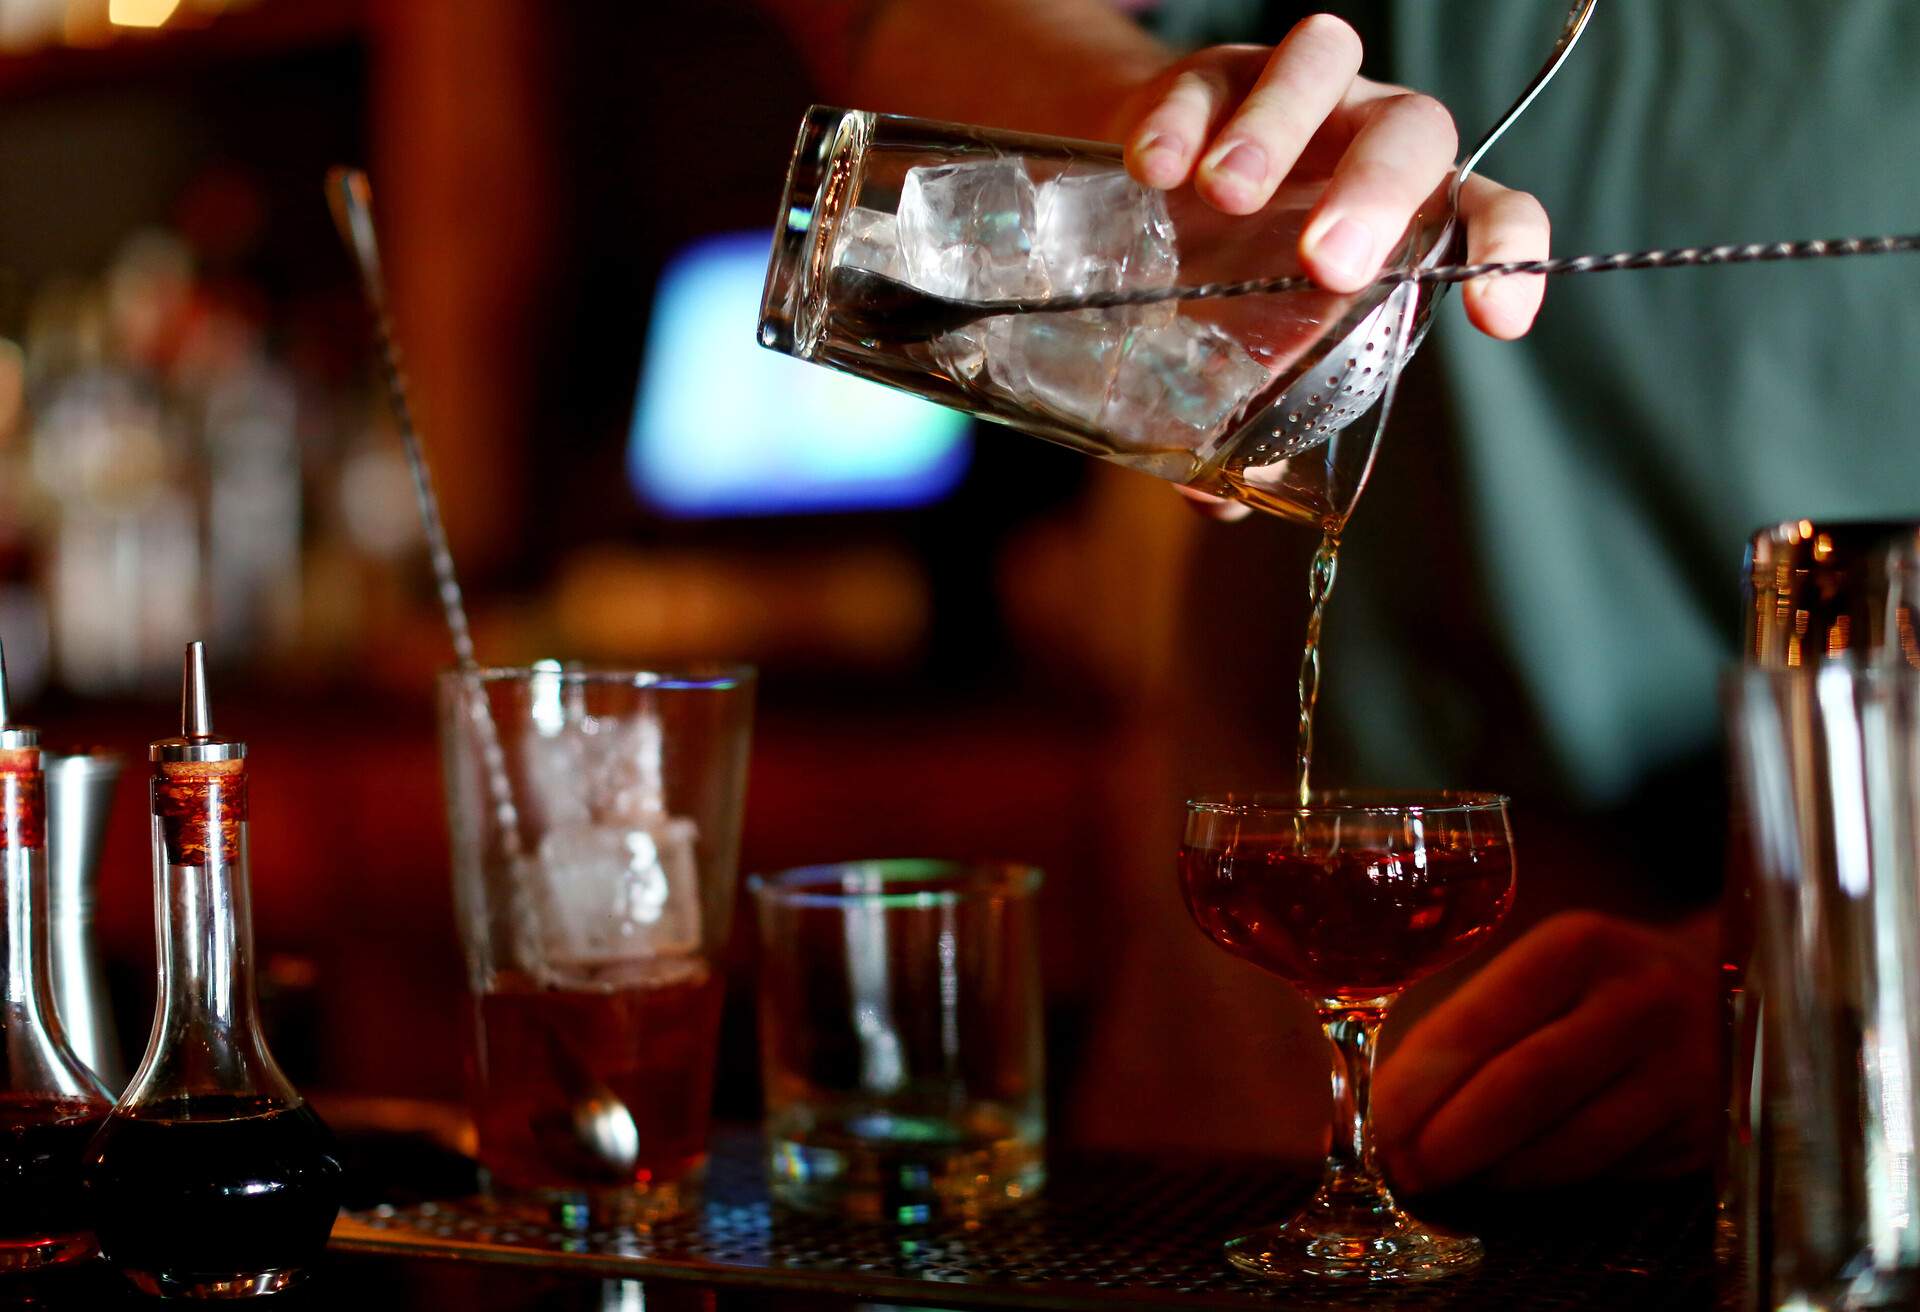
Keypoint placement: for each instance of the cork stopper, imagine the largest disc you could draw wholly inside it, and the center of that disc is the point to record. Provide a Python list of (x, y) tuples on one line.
[(200, 784), (23, 785)]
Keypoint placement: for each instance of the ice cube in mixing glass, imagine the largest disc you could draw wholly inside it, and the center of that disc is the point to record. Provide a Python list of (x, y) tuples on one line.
[(1179, 385), (1104, 232), (966, 230), (870, 239), (1062, 363)]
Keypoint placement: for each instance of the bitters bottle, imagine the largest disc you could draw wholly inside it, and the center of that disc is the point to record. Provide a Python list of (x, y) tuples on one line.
[(211, 1178)]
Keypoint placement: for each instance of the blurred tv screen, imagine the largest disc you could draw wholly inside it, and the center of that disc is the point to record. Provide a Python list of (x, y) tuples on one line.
[(724, 427)]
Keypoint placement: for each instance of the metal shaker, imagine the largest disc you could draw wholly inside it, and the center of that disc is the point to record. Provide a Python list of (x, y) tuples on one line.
[(79, 797), (1816, 592)]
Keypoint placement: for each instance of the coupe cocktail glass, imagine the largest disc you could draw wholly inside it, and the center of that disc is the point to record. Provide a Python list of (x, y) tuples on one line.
[(1350, 898)]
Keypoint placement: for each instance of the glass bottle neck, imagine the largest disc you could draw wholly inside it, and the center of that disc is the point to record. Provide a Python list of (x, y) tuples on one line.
[(28, 987), (206, 1032), (205, 942)]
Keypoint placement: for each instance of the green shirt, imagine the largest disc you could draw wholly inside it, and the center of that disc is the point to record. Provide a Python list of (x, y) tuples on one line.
[(1541, 585), (1615, 462)]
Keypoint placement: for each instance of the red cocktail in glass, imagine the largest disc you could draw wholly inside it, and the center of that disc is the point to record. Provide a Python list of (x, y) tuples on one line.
[(1349, 898)]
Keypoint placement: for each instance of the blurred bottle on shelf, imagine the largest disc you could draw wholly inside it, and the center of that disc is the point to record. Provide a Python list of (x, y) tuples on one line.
[(164, 442), (23, 612), (121, 550)]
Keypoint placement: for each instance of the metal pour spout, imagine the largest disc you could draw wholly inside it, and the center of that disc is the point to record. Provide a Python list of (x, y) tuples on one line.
[(13, 736), (197, 740), (196, 714)]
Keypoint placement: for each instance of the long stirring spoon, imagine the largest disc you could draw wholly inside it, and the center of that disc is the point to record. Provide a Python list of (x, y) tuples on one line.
[(881, 308), (1570, 33), (602, 1127), (350, 197)]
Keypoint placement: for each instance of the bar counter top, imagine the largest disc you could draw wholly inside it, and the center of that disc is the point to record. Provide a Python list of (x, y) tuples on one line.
[(1109, 1231)]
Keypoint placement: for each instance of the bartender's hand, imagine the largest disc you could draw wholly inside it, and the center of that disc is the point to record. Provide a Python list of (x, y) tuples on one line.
[(1237, 120), (1589, 1047)]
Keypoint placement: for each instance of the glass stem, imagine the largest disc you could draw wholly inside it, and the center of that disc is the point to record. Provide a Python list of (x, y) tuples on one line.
[(1352, 1031)]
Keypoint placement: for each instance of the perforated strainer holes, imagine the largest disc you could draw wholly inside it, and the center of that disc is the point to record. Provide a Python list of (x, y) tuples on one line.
[(1115, 1230), (1339, 390)]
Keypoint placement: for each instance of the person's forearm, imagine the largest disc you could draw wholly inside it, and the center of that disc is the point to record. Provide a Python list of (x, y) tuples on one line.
[(1059, 66)]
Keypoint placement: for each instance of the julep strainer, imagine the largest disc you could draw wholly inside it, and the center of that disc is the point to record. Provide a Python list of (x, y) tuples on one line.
[(1352, 374)]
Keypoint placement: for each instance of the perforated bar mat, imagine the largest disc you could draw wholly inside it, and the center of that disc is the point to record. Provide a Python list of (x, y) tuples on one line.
[(1107, 1232)]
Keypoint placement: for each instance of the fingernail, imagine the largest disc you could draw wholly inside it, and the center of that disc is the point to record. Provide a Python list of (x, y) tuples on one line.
[(1153, 141), (1157, 147), (1345, 249), (1244, 161)]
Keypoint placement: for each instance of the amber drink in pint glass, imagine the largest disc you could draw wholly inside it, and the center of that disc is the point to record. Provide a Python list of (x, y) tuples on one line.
[(595, 817)]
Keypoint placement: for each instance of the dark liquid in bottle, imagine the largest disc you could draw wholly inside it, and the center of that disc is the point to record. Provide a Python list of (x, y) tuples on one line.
[(198, 1192), (1348, 925), (43, 1218)]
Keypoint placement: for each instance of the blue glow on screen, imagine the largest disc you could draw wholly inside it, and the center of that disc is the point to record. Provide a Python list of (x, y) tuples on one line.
[(723, 426)]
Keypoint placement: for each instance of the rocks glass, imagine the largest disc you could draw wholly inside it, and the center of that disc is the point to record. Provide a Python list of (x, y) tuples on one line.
[(900, 1031)]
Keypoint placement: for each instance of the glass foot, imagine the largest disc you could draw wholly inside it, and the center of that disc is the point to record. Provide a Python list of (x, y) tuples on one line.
[(169, 1284), (1335, 1238), (51, 1250)]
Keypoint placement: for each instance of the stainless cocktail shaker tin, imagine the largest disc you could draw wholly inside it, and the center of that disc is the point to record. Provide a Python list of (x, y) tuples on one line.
[(80, 790), (1815, 591), (1818, 589)]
